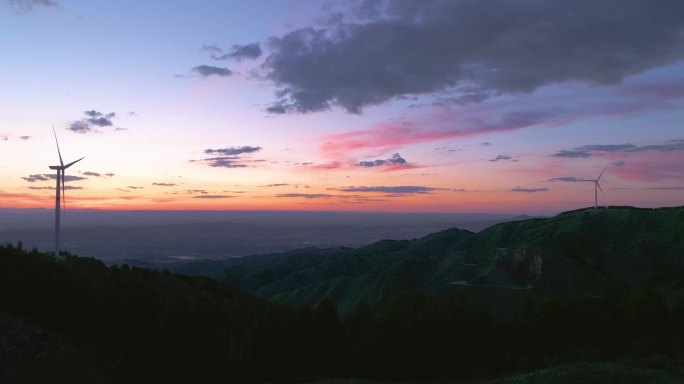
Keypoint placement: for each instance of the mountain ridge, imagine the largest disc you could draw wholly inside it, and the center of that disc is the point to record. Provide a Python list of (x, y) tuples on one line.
[(583, 251)]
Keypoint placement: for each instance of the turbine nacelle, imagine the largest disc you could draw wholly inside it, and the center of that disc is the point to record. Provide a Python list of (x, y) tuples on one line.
[(63, 167)]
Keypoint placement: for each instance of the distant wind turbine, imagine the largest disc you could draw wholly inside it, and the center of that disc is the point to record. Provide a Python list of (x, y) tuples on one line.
[(59, 189), (597, 186)]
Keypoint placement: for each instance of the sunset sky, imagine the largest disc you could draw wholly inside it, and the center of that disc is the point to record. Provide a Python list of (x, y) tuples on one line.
[(441, 106)]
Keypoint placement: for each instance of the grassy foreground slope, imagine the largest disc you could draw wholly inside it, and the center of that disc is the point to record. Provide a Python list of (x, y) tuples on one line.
[(580, 373), (32, 354)]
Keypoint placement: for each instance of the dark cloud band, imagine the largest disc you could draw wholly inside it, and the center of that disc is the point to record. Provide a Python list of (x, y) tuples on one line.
[(589, 150), (404, 189), (493, 47), (529, 190)]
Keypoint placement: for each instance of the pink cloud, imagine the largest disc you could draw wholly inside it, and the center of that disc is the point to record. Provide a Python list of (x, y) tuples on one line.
[(9, 196), (381, 138), (504, 115), (661, 91), (652, 167), (329, 165), (444, 125)]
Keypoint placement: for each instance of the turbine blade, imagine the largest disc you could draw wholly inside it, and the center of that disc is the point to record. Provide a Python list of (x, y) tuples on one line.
[(599, 178), (600, 189), (58, 151), (72, 163)]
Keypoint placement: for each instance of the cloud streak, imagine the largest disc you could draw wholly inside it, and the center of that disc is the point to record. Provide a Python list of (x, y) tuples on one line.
[(26, 6), (212, 197), (403, 189), (208, 70), (34, 178), (503, 158), (225, 162), (592, 149), (232, 151), (50, 176), (529, 190), (65, 187), (232, 157), (564, 179), (238, 52), (396, 159), (98, 174), (308, 195), (572, 154)]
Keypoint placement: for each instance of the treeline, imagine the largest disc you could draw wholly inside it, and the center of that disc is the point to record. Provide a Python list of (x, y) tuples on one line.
[(162, 327)]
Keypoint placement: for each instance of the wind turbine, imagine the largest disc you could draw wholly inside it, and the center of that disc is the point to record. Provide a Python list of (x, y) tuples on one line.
[(597, 186), (60, 186)]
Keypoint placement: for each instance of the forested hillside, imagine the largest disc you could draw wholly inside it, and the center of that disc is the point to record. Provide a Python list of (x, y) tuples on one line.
[(600, 288)]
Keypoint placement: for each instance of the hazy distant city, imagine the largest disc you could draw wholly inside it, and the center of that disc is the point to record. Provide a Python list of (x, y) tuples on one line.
[(164, 236)]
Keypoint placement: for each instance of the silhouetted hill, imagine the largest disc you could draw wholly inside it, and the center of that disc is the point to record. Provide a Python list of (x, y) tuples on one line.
[(587, 296), (581, 252), (141, 325)]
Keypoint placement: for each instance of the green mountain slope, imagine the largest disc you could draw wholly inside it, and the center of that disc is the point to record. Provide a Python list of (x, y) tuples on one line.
[(586, 251), (305, 276), (580, 252)]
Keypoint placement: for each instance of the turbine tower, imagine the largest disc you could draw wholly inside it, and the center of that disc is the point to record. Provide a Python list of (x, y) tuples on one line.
[(59, 189), (597, 186)]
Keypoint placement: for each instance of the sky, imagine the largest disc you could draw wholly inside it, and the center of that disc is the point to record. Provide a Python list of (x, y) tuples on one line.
[(395, 105)]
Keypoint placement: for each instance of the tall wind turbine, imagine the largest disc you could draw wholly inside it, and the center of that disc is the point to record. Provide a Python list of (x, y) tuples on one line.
[(59, 189), (597, 186)]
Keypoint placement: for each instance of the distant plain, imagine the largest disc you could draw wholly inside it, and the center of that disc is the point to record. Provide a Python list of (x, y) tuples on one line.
[(168, 236)]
